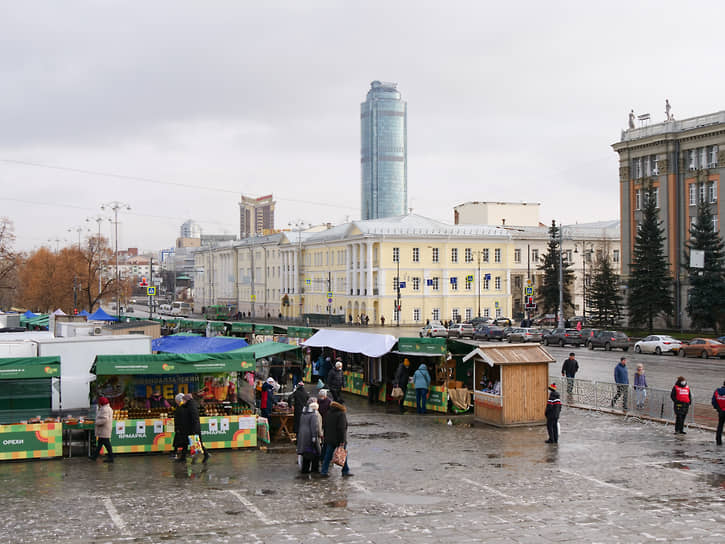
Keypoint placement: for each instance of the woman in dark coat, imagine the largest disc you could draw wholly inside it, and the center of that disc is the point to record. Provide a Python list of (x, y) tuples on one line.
[(299, 401), (308, 438), (335, 427), (181, 428)]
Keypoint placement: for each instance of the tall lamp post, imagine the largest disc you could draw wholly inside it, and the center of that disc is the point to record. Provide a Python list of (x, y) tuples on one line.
[(99, 219), (561, 279), (115, 206), (586, 252), (298, 226)]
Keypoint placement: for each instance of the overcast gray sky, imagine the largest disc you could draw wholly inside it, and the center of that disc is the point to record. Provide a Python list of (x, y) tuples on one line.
[(504, 103)]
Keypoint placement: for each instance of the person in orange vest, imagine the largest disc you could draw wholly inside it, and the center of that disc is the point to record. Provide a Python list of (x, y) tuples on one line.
[(682, 397), (718, 402)]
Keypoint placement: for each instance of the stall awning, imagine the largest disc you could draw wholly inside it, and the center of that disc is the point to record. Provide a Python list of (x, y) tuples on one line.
[(266, 349), (510, 354), (196, 344), (300, 332), (100, 315), (372, 345), (17, 368), (264, 329), (242, 327), (216, 325), (167, 363), (423, 346)]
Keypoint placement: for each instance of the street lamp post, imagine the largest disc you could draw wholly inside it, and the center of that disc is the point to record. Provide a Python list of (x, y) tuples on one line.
[(115, 206), (99, 219), (585, 254), (298, 227), (561, 280), (397, 302)]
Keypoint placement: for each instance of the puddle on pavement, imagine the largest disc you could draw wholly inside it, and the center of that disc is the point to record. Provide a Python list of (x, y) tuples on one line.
[(676, 464), (450, 464), (264, 492), (493, 455), (391, 435), (232, 512), (400, 499), (337, 504), (361, 424)]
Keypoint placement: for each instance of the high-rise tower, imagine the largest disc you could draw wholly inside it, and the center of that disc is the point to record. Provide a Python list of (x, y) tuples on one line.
[(383, 152)]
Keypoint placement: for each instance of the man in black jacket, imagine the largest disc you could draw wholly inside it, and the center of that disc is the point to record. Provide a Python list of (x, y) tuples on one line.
[(402, 374), (569, 369), (299, 401), (553, 409), (335, 432), (335, 381), (194, 421), (181, 428)]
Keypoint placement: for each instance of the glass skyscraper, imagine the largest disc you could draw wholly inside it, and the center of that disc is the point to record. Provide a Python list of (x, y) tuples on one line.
[(383, 152)]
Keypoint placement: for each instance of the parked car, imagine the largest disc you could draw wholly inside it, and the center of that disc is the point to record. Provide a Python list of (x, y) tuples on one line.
[(478, 321), (608, 340), (460, 330), (525, 335), (506, 332), (703, 347), (488, 332), (434, 328), (503, 322), (546, 319), (563, 337), (657, 344), (587, 333)]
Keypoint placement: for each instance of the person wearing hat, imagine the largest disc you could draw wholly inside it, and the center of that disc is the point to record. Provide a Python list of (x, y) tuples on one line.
[(402, 375), (309, 436), (718, 402), (194, 421), (181, 428), (299, 401), (265, 403), (335, 381), (104, 424), (553, 409)]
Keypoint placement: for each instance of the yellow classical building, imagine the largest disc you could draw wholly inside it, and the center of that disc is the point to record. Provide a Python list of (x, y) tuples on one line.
[(407, 269)]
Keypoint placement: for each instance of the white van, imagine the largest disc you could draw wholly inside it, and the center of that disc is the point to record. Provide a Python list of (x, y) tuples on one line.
[(181, 309)]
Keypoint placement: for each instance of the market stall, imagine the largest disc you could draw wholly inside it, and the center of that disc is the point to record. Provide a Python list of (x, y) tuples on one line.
[(432, 352), (511, 383), (27, 430), (144, 423)]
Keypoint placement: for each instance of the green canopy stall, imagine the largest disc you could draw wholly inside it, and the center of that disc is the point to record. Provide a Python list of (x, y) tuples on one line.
[(27, 430)]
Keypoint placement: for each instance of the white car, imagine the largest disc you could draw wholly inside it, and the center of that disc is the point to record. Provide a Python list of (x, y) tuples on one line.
[(433, 329), (658, 344)]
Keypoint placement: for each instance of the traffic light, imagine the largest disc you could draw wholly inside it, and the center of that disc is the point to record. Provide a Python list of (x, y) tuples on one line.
[(75, 311)]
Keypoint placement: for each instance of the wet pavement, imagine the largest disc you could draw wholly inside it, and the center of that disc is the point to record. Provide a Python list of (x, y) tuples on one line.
[(416, 479)]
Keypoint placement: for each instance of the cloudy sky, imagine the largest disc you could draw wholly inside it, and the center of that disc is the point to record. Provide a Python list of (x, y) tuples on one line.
[(176, 108)]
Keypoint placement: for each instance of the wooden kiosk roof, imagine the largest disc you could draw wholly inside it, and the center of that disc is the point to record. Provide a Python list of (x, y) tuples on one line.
[(508, 354)]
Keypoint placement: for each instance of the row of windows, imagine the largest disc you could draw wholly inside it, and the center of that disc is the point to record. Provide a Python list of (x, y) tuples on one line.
[(434, 283), (468, 253), (567, 255), (641, 198), (702, 157), (645, 167), (707, 192), (435, 314)]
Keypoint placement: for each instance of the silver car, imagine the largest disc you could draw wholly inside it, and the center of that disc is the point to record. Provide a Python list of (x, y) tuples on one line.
[(460, 330), (525, 335), (433, 329)]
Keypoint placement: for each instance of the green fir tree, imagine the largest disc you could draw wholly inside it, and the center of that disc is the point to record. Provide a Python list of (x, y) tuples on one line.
[(548, 296), (649, 288), (706, 300), (603, 298)]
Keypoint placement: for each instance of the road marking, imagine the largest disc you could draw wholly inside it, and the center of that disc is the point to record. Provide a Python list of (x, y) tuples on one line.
[(246, 502), (599, 482), (487, 488), (360, 487), (115, 517)]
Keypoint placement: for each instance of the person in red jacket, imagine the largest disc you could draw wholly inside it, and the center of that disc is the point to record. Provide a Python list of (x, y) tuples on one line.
[(718, 402), (682, 397)]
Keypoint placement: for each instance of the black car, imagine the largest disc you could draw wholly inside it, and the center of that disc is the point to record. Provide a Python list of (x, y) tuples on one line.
[(488, 332), (608, 340), (563, 337)]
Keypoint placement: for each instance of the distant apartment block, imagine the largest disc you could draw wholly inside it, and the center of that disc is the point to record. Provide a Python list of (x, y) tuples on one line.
[(256, 216), (520, 214)]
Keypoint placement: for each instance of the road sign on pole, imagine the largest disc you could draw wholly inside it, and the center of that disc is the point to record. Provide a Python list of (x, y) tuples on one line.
[(529, 291), (151, 291)]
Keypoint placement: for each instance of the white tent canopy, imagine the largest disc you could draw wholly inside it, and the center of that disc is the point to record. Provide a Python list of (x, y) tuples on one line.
[(372, 345), (59, 312)]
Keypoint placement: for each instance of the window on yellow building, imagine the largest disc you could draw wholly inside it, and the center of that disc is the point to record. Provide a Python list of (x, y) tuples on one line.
[(497, 255)]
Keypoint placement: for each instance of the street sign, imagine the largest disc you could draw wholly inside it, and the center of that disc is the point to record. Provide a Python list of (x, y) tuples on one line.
[(487, 277), (454, 281), (329, 295), (496, 304), (253, 298), (529, 291), (329, 300), (469, 278), (308, 281), (529, 282), (151, 291), (401, 284)]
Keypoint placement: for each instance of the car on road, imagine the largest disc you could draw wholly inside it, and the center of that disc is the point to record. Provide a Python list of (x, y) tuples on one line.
[(478, 321), (435, 328), (657, 344), (488, 332), (460, 330), (507, 331), (525, 335), (564, 337), (703, 347), (586, 333), (503, 322), (608, 340)]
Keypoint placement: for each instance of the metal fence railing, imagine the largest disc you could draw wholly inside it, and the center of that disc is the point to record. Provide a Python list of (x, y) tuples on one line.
[(648, 402)]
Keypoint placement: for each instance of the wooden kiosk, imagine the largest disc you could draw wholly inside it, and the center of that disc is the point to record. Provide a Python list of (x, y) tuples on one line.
[(519, 374)]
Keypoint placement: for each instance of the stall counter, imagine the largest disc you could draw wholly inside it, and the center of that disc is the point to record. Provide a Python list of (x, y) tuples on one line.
[(31, 441), (437, 398), (354, 383), (157, 435)]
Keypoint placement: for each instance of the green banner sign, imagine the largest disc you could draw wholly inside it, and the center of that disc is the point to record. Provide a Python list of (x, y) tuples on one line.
[(423, 345), (169, 363), (437, 398), (32, 441), (15, 368)]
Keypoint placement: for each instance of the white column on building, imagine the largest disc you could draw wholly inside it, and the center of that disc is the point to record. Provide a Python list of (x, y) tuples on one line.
[(369, 269), (283, 271), (354, 264), (348, 272), (295, 271)]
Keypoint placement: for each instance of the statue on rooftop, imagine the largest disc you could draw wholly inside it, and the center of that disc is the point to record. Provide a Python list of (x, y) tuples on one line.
[(631, 119)]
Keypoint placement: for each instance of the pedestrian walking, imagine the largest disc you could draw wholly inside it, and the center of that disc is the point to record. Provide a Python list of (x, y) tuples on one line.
[(382, 321), (103, 426), (621, 378), (181, 428), (569, 369), (682, 397), (299, 401), (194, 421), (640, 387), (316, 367), (308, 438), (421, 382), (335, 434), (402, 375), (335, 381), (323, 403), (325, 368), (553, 409), (718, 402), (265, 403)]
